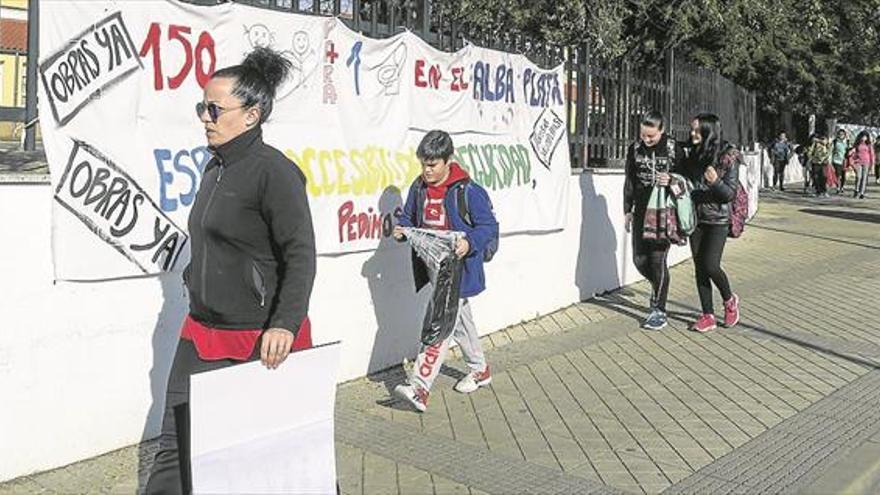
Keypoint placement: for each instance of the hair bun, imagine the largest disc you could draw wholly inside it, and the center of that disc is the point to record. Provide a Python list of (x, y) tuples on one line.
[(272, 67)]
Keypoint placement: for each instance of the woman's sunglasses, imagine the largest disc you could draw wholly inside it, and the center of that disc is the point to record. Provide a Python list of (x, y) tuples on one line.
[(214, 110)]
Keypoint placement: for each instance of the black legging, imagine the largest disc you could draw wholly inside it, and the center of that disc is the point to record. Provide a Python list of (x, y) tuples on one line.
[(779, 173), (840, 172), (650, 259), (819, 178), (707, 246)]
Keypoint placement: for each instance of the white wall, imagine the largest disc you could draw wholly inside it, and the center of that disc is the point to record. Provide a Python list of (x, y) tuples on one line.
[(11, 13), (83, 365)]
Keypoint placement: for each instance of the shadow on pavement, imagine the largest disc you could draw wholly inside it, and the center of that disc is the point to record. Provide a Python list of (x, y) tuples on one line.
[(813, 236), (396, 375), (617, 301), (856, 216), (825, 349)]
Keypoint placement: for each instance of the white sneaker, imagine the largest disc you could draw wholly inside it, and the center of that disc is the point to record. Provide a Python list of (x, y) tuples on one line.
[(415, 396), (474, 380)]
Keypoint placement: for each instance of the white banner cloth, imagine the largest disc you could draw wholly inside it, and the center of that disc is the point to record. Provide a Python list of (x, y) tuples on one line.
[(118, 86)]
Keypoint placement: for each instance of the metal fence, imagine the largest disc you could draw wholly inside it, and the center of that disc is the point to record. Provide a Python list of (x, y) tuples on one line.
[(605, 102), (620, 94)]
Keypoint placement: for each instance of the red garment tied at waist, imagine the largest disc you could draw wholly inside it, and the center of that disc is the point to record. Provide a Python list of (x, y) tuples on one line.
[(213, 344)]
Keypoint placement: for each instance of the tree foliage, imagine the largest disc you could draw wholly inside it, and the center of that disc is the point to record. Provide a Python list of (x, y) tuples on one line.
[(803, 56)]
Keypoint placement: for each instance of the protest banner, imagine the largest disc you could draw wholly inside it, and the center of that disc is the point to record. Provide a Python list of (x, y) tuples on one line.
[(118, 86)]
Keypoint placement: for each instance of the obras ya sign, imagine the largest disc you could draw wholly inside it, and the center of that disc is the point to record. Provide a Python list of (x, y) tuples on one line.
[(119, 82)]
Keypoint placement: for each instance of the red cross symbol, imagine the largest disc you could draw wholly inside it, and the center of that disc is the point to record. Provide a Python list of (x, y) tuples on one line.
[(331, 54)]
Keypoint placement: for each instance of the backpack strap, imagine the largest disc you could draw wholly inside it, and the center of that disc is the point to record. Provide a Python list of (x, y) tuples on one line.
[(419, 211), (461, 202)]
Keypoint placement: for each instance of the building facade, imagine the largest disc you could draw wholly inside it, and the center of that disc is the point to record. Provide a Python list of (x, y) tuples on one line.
[(13, 62)]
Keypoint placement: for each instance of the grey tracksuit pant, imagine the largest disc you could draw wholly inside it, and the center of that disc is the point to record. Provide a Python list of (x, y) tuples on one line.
[(862, 172), (430, 358)]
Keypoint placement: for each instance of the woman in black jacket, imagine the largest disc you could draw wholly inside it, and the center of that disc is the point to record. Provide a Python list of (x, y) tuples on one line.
[(253, 252), (713, 167), (649, 161)]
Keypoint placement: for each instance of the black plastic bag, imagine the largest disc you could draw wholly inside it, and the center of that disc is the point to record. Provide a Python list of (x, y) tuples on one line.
[(442, 310)]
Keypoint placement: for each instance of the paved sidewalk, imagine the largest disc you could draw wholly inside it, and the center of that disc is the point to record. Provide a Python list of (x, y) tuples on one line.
[(582, 401), (13, 160)]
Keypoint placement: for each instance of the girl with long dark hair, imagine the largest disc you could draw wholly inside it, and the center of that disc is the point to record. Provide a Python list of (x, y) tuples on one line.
[(713, 167), (864, 159), (253, 253)]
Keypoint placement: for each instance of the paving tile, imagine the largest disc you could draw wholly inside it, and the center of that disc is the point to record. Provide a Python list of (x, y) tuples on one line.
[(380, 474), (580, 395)]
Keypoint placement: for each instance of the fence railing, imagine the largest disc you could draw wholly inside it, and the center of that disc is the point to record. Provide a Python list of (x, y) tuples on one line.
[(619, 94), (605, 101)]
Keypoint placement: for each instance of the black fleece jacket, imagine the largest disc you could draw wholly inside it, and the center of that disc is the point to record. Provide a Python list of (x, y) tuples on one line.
[(253, 246), (643, 163)]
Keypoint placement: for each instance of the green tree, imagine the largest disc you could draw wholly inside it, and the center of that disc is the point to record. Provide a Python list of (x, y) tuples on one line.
[(803, 56)]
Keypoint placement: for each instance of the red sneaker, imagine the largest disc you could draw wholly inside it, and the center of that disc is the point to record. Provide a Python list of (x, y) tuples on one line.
[(414, 395), (704, 323), (731, 311), (474, 380)]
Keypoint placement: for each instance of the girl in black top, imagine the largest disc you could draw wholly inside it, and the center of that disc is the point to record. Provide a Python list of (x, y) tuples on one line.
[(713, 167)]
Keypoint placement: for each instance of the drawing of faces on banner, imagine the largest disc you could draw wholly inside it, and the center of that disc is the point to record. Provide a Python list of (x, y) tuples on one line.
[(258, 35), (298, 40), (303, 56)]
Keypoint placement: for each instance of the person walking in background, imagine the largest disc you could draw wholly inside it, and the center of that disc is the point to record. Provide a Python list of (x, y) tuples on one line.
[(864, 159), (876, 160), (801, 153), (839, 147), (648, 163), (714, 170), (819, 154), (780, 152)]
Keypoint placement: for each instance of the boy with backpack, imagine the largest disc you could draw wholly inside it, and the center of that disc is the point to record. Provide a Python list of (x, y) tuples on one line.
[(444, 197)]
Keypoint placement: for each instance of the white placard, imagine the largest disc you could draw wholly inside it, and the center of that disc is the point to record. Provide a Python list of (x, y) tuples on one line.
[(255, 430)]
